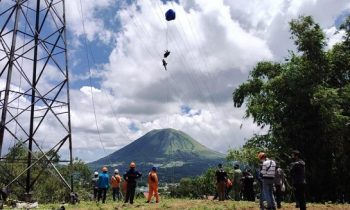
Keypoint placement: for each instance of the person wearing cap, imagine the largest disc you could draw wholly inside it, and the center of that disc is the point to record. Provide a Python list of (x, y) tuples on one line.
[(94, 185), (153, 185), (268, 172), (297, 172), (103, 184), (115, 183), (130, 177), (237, 184), (221, 177)]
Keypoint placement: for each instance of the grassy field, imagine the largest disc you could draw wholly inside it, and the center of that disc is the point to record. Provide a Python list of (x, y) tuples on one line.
[(186, 204)]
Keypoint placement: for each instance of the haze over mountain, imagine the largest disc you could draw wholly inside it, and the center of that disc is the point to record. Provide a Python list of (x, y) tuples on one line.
[(173, 152)]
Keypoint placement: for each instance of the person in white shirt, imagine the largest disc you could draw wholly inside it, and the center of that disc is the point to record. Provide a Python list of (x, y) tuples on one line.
[(268, 172)]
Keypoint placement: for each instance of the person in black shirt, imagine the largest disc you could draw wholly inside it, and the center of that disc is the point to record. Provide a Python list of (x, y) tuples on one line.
[(221, 177), (130, 177), (248, 186), (297, 172)]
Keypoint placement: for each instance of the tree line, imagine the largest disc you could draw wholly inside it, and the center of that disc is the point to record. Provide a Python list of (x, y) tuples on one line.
[(304, 103)]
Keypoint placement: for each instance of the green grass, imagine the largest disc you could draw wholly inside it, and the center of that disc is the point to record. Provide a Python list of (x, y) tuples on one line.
[(185, 204)]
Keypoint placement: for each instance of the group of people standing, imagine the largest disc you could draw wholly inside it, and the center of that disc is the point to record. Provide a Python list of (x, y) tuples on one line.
[(101, 183), (272, 176), (242, 184), (271, 179)]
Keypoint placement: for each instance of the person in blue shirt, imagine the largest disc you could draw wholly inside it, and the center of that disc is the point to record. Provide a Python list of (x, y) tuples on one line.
[(103, 184), (130, 177)]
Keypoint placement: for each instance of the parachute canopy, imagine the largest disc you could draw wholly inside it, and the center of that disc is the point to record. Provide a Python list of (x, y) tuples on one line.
[(170, 15)]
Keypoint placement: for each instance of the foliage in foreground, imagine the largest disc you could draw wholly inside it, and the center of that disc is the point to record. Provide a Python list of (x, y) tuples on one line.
[(49, 187)]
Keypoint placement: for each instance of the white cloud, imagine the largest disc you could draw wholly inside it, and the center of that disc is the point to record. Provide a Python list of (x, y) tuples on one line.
[(213, 44), (333, 36), (88, 12)]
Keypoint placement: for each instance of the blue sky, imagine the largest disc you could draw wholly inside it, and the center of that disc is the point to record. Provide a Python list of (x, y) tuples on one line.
[(213, 44)]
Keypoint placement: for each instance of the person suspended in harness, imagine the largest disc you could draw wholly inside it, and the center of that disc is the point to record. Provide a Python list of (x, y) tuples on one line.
[(166, 53), (164, 64), (170, 15)]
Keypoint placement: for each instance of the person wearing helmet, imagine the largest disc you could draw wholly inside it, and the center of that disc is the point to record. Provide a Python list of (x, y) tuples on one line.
[(115, 183), (103, 184), (268, 172), (153, 185), (94, 185), (237, 185), (130, 177), (297, 172)]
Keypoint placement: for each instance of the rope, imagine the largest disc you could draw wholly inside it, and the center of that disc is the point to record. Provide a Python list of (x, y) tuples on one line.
[(167, 28), (90, 76), (194, 80)]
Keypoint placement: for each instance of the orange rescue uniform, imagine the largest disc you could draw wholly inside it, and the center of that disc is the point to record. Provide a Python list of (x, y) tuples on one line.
[(153, 186), (115, 181)]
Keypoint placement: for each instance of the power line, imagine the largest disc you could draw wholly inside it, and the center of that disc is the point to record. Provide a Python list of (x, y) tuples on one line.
[(90, 76)]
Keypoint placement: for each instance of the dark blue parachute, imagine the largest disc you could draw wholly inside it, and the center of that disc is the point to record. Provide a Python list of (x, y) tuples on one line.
[(170, 15)]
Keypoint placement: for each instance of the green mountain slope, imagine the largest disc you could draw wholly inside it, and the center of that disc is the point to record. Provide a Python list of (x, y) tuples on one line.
[(175, 153)]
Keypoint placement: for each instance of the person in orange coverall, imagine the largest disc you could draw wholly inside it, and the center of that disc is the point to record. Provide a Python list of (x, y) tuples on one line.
[(115, 182), (153, 185)]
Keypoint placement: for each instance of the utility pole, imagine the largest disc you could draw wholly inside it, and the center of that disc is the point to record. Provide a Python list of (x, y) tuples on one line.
[(34, 101)]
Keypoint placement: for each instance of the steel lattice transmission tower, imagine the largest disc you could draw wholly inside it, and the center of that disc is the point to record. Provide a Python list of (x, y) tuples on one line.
[(34, 88)]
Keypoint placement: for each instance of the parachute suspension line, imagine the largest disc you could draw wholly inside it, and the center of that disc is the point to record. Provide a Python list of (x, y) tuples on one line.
[(167, 100), (94, 108), (90, 76), (115, 117), (191, 78), (144, 153), (167, 29)]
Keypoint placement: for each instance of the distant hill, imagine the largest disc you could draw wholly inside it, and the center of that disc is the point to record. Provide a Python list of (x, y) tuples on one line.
[(173, 152)]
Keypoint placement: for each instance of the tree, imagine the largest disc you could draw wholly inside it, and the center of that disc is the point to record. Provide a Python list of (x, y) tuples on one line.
[(305, 103), (49, 187)]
